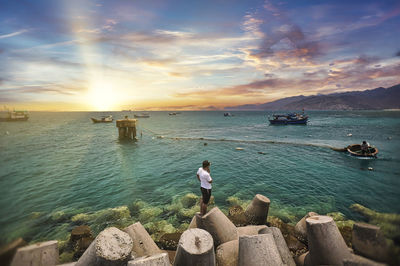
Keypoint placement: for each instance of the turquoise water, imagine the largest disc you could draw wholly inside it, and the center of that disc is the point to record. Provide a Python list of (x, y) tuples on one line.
[(57, 165)]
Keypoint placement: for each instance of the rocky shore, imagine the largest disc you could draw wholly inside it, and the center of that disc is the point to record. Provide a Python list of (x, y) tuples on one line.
[(244, 234)]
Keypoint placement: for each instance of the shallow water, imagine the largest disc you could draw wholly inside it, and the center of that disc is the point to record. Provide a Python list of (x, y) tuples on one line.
[(62, 164)]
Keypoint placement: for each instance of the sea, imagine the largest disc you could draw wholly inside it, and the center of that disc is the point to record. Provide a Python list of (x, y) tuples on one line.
[(59, 170)]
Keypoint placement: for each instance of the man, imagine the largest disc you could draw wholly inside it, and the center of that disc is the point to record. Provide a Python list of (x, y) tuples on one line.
[(203, 175), (365, 147)]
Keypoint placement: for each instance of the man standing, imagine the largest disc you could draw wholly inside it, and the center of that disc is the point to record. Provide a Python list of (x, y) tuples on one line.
[(203, 175)]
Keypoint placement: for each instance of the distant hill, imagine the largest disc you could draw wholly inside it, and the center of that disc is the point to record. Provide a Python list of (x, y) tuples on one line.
[(376, 99)]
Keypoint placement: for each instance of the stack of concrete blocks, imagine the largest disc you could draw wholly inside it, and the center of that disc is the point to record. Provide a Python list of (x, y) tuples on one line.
[(44, 253), (112, 247), (145, 252)]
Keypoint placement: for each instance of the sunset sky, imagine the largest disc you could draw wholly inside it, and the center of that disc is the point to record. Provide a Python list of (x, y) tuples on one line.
[(191, 55)]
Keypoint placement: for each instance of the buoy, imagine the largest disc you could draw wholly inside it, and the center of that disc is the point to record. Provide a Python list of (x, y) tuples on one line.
[(349, 135), (239, 149), (370, 168)]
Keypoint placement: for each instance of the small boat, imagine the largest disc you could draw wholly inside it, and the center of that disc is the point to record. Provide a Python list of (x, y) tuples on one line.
[(172, 113), (142, 115), (289, 119), (355, 150), (228, 114), (103, 119), (11, 116)]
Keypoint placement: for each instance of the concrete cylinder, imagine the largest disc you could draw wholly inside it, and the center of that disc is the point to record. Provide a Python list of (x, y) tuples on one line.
[(196, 247), (258, 250), (112, 247), (143, 244), (257, 211), (155, 260), (193, 223), (283, 249), (300, 229), (251, 230), (325, 243), (44, 253), (218, 225), (227, 254)]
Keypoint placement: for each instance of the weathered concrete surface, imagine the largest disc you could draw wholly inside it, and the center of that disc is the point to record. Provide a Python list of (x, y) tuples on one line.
[(257, 211), (227, 254), (39, 254), (356, 260), (283, 249), (112, 247), (143, 244), (193, 223), (250, 230), (368, 241), (68, 264), (258, 250), (300, 229), (299, 260), (196, 247), (155, 260), (325, 243), (7, 251), (218, 225)]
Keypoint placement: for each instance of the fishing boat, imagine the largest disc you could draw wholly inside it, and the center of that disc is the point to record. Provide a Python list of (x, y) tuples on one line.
[(289, 119), (355, 150), (172, 113), (11, 116), (103, 119), (142, 115), (227, 114)]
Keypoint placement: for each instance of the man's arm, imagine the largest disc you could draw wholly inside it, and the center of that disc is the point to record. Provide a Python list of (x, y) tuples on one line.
[(209, 179), (198, 177)]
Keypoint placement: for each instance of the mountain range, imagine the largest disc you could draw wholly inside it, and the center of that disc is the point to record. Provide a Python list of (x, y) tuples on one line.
[(376, 99)]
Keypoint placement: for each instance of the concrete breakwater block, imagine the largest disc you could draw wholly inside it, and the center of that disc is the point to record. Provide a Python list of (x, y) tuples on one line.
[(218, 225), (360, 261), (196, 247), (111, 247), (44, 253), (258, 250), (227, 254), (325, 243), (193, 223), (283, 249), (368, 241), (143, 244), (155, 260), (7, 251), (300, 229), (257, 211), (251, 230)]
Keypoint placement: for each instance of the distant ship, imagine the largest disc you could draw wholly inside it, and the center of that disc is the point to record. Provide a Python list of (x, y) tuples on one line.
[(289, 119), (10, 116), (142, 115), (103, 119)]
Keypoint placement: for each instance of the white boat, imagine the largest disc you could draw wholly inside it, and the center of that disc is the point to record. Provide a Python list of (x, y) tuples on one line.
[(142, 115), (103, 119), (10, 116)]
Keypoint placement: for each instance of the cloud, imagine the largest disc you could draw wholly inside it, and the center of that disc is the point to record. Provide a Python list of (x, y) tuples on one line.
[(12, 34)]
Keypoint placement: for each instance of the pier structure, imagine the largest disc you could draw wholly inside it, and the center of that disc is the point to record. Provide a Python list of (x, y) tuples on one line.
[(127, 128)]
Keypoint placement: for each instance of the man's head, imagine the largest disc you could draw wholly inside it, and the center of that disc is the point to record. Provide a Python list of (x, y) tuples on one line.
[(206, 164), (364, 142)]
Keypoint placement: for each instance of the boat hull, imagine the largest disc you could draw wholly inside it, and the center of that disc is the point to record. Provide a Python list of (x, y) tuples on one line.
[(289, 122), (94, 120), (355, 150)]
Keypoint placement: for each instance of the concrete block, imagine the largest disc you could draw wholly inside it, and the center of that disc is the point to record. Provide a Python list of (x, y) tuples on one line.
[(143, 244), (196, 247), (112, 247), (227, 254), (155, 260), (283, 249), (258, 250), (301, 227), (369, 241), (7, 251), (218, 225), (257, 211), (250, 230), (356, 260), (325, 243), (39, 254)]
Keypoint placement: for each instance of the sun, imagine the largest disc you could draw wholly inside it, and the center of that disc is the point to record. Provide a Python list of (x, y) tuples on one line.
[(101, 96)]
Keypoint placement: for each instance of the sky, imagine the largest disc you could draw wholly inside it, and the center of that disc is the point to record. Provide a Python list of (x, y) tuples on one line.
[(81, 55)]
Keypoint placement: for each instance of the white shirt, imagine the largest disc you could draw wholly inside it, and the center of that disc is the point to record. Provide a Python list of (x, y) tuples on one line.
[(204, 178)]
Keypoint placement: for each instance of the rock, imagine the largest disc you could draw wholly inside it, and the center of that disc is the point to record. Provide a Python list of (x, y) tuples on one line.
[(325, 243), (368, 241), (227, 254), (258, 250), (250, 230), (7, 251), (111, 247), (257, 211), (295, 246), (170, 241), (301, 227), (237, 216), (196, 247), (218, 225), (299, 260), (189, 200), (155, 260), (80, 232), (44, 253), (143, 244), (283, 249), (80, 239)]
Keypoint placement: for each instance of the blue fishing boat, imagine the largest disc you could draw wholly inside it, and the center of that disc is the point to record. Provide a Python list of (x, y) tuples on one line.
[(289, 119)]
